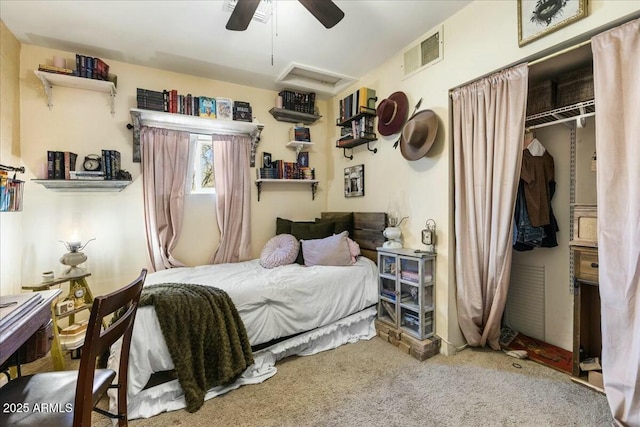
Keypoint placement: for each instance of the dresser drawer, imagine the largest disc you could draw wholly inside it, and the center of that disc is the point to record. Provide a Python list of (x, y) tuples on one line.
[(585, 263)]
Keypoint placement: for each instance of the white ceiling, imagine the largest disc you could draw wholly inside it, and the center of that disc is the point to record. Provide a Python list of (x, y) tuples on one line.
[(190, 37)]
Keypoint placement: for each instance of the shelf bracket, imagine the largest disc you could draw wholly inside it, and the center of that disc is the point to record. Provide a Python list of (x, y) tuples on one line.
[(48, 90), (314, 190), (113, 102), (344, 151), (255, 140), (135, 118), (259, 185), (374, 151)]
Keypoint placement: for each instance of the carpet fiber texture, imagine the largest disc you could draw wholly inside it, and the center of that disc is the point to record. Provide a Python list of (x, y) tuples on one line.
[(373, 383)]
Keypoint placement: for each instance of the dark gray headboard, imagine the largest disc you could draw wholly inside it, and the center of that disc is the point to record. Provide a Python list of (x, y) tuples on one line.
[(368, 228)]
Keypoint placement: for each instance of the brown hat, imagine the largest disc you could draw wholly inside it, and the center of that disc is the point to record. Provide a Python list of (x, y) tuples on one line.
[(418, 134), (392, 112)]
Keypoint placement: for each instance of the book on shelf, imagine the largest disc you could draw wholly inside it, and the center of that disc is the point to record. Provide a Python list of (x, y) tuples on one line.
[(300, 133), (92, 68), (242, 111), (207, 107), (224, 109), (303, 102), (87, 175), (60, 164), (55, 70), (110, 164)]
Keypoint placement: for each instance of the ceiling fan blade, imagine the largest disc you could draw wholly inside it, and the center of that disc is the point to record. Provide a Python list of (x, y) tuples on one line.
[(242, 15), (325, 11)]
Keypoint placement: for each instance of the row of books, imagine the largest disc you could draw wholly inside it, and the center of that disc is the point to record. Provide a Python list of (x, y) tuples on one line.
[(286, 170), (304, 102), (170, 101), (360, 128), (10, 193), (111, 164), (300, 133), (91, 67), (364, 99), (60, 164)]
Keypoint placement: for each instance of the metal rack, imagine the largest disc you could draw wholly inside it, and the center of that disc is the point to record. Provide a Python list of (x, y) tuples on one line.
[(11, 189), (576, 112)]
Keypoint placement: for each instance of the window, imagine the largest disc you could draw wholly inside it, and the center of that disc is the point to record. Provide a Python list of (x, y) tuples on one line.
[(202, 164)]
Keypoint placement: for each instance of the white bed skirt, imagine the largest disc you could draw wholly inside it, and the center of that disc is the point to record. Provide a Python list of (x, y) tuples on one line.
[(169, 396)]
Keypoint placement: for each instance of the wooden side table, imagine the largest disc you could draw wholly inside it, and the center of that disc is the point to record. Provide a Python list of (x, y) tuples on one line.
[(80, 293)]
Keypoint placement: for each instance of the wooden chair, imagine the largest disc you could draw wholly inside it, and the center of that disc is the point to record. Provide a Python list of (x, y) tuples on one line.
[(67, 398)]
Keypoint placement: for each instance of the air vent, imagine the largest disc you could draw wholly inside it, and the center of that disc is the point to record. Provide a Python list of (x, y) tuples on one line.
[(427, 52), (311, 79)]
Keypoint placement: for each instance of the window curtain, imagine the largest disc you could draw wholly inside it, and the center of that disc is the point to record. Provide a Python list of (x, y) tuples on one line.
[(165, 159), (233, 197), (616, 62), (488, 127)]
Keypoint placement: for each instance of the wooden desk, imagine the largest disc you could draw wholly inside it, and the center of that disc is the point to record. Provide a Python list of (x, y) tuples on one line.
[(18, 332)]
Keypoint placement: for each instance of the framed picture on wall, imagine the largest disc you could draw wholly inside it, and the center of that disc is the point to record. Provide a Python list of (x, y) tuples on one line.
[(354, 181), (537, 18)]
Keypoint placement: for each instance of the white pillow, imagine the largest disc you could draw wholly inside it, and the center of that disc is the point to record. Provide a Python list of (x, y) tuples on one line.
[(332, 250), (279, 250)]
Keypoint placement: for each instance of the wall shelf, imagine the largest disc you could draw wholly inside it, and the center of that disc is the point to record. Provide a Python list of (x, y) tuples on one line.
[(570, 113), (299, 145), (357, 137), (193, 124), (290, 116), (313, 182), (77, 185), (52, 79)]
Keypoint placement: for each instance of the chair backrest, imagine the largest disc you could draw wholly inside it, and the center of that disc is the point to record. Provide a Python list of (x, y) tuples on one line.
[(124, 304)]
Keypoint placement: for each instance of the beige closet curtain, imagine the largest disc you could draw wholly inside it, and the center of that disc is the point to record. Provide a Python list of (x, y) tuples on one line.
[(488, 126), (165, 158), (616, 60), (233, 197)]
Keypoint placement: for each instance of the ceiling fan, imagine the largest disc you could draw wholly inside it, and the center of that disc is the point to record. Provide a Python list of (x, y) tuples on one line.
[(325, 11)]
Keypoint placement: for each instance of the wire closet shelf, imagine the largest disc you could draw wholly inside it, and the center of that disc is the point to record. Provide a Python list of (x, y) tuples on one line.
[(576, 112)]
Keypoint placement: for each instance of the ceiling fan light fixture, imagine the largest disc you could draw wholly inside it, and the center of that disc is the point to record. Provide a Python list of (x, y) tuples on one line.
[(262, 13)]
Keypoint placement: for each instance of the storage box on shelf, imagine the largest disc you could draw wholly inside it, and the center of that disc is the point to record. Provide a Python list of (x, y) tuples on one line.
[(575, 86)]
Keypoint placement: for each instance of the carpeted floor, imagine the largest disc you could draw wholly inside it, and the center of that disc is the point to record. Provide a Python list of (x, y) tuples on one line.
[(373, 383)]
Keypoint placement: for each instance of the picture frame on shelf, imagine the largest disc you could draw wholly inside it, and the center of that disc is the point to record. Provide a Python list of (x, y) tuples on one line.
[(266, 160), (538, 18), (354, 181), (303, 159)]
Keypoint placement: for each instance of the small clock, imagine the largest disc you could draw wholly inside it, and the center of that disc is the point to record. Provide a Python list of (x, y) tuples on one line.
[(78, 296), (92, 162)]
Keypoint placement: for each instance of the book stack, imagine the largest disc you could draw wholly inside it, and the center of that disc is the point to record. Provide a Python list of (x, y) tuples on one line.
[(91, 67), (285, 170), (362, 100), (303, 102), (300, 133), (242, 111), (362, 128), (111, 164), (56, 70), (60, 164), (87, 175), (150, 99)]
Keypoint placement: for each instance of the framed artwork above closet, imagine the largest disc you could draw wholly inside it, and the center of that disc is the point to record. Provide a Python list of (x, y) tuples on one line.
[(537, 18)]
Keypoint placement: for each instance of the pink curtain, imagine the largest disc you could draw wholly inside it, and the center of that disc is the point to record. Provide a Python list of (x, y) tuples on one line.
[(488, 126), (616, 61), (165, 159), (233, 197)]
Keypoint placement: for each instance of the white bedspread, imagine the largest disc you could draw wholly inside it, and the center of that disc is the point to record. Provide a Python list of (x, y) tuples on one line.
[(272, 303)]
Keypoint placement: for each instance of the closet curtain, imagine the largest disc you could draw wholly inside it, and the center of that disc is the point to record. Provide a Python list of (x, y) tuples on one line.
[(616, 61), (165, 159), (233, 197), (488, 127)]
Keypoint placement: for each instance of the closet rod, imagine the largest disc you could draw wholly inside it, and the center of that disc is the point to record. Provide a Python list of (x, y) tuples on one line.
[(560, 52), (555, 122)]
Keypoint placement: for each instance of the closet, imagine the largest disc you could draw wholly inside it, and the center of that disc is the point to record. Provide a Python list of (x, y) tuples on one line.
[(543, 292)]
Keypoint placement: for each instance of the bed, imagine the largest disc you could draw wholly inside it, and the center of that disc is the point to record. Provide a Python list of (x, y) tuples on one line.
[(289, 310)]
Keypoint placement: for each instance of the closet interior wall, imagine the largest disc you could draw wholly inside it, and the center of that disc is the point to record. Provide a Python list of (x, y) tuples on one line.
[(572, 145)]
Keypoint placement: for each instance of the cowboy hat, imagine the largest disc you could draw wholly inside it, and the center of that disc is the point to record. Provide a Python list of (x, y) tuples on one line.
[(418, 134), (392, 112)]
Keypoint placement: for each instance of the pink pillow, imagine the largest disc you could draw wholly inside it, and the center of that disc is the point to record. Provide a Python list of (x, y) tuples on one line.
[(332, 250), (279, 250), (354, 250)]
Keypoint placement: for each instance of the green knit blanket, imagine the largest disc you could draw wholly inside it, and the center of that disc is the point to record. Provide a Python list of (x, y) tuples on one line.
[(204, 333)]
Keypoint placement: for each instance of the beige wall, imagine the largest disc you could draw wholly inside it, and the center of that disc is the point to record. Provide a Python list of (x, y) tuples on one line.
[(80, 122), (474, 45), (10, 222)]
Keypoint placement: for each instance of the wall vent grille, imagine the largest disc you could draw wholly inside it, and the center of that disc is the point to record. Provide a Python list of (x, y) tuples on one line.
[(427, 52)]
